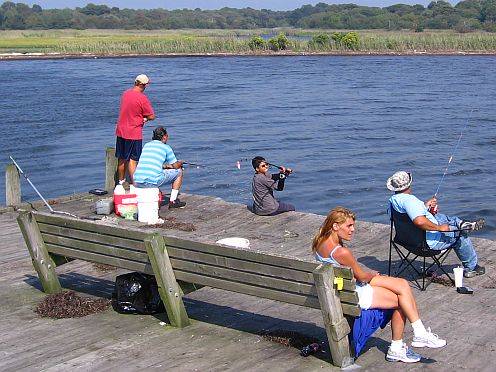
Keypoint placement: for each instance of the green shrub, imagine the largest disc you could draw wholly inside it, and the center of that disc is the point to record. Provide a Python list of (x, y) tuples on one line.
[(349, 40), (419, 27), (337, 36), (280, 42), (320, 39), (257, 42)]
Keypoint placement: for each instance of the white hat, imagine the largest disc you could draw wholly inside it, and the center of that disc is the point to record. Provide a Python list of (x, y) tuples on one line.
[(142, 79), (399, 181)]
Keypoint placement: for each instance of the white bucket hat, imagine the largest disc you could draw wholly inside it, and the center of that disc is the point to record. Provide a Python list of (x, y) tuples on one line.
[(399, 181)]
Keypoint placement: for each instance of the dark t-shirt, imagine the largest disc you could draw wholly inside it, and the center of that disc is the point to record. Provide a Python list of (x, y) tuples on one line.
[(263, 186)]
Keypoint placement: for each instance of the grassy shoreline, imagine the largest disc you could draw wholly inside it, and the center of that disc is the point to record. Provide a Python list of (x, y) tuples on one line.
[(122, 43)]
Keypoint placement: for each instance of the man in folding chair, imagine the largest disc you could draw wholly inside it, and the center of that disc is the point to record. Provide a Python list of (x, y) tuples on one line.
[(438, 227)]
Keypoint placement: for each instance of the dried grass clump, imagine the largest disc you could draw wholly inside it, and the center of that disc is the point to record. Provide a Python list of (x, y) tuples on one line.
[(172, 224), (288, 338), (103, 268), (68, 304)]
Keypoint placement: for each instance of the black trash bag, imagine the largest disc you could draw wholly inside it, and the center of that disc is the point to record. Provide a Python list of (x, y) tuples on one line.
[(136, 293)]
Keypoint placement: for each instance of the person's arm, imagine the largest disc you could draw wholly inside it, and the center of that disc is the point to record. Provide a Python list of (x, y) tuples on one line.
[(178, 164), (344, 256), (423, 223), (148, 113), (279, 179)]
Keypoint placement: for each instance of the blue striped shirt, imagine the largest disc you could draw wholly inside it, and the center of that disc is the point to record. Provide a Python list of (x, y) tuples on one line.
[(154, 154)]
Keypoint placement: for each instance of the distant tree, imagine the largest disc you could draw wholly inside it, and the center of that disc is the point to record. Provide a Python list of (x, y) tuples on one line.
[(37, 9), (488, 11), (8, 5), (96, 10)]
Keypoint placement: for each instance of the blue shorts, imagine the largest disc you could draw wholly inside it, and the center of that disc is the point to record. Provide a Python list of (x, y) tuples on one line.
[(168, 176), (128, 149)]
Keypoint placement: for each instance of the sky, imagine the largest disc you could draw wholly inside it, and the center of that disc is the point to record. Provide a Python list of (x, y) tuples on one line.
[(213, 4)]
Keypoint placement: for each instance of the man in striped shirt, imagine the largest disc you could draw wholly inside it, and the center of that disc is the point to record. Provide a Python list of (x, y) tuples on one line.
[(158, 166)]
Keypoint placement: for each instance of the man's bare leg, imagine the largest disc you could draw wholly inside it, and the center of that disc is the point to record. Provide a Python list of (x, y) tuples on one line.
[(176, 185), (121, 169), (131, 168)]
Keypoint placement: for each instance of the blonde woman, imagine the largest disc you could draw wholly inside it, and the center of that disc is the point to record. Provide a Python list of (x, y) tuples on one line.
[(374, 291)]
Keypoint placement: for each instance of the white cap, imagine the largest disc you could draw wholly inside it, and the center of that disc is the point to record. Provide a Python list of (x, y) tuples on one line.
[(142, 79)]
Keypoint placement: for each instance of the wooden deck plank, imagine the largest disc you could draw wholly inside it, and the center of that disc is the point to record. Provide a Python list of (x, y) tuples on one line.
[(109, 340)]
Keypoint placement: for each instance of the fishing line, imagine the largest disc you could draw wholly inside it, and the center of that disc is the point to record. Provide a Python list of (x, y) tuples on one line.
[(39, 194), (453, 153)]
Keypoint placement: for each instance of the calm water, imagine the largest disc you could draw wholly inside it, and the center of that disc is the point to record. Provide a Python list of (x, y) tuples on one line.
[(343, 123)]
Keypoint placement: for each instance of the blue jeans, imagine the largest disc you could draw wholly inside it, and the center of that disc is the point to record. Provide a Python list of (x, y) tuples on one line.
[(463, 247)]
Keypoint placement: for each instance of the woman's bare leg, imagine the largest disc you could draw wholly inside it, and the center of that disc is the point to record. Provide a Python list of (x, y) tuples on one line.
[(402, 289), (398, 321), (383, 298)]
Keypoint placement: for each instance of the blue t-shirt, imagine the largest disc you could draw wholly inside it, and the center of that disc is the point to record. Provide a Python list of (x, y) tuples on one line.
[(414, 207), (150, 166)]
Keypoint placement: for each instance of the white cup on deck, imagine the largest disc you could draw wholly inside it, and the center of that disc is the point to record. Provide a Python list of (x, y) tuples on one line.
[(458, 271)]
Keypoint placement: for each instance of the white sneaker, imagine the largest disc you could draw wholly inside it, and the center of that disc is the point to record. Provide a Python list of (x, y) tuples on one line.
[(428, 339), (472, 225), (404, 355)]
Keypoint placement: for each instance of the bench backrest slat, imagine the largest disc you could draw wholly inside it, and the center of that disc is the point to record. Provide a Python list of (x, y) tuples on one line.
[(100, 258)]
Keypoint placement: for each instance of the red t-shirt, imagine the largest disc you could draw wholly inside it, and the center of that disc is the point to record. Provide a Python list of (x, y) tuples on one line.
[(134, 107)]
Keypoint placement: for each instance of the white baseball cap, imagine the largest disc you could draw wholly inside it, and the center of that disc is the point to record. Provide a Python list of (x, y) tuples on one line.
[(142, 79)]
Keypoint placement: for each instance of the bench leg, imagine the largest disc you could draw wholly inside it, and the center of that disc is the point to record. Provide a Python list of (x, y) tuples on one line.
[(170, 291), (335, 323), (42, 262)]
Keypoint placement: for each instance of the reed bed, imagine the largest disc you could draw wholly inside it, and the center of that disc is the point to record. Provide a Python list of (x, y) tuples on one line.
[(117, 42)]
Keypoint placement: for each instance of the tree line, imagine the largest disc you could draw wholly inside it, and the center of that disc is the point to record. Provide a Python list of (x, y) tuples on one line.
[(465, 16)]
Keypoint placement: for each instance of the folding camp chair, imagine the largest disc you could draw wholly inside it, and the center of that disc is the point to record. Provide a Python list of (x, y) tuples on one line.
[(410, 243)]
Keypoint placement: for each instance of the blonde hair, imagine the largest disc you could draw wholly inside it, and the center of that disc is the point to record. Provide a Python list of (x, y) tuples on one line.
[(338, 215)]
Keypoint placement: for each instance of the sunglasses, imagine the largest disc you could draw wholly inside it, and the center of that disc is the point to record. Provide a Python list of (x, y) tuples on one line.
[(265, 165)]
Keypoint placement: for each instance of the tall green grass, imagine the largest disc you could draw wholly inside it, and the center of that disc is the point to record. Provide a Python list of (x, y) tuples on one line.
[(102, 42)]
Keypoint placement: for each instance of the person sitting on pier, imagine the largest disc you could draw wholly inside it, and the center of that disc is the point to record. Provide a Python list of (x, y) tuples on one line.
[(375, 291), (263, 186), (158, 166), (437, 225)]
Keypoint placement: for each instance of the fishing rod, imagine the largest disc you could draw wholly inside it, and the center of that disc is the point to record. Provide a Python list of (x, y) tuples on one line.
[(194, 164), (238, 163), (39, 194), (453, 153)]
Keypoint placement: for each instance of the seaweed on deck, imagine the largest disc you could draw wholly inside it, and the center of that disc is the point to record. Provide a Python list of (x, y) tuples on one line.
[(68, 304), (288, 338), (172, 223)]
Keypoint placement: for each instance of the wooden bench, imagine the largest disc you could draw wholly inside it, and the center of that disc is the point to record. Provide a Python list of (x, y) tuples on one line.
[(177, 263)]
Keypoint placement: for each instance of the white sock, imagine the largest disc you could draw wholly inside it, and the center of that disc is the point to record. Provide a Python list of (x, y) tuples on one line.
[(121, 182), (418, 328), (174, 194), (396, 345)]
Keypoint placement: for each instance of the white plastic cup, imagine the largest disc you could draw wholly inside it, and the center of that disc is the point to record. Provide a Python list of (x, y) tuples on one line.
[(458, 271)]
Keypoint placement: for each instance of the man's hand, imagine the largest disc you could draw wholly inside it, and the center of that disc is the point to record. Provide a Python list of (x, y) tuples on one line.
[(285, 170), (431, 203)]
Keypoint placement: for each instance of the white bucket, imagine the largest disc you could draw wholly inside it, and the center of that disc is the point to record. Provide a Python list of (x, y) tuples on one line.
[(147, 204)]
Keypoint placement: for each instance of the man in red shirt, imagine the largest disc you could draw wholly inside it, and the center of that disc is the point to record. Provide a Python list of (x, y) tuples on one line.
[(135, 111)]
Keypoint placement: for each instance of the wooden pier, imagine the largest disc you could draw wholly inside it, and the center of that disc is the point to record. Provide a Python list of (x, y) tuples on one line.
[(226, 327)]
